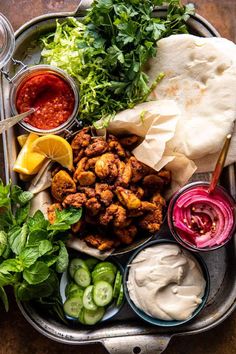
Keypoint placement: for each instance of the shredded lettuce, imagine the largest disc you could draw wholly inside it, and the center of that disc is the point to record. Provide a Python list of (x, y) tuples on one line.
[(106, 52)]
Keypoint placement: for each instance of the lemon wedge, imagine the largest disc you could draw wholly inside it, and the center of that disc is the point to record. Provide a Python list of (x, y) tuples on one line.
[(22, 139), (55, 148), (29, 162)]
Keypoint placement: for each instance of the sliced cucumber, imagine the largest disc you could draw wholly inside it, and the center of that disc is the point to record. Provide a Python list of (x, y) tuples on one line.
[(75, 264), (106, 264), (104, 273), (102, 293), (76, 293), (82, 277), (91, 263), (70, 288), (121, 295), (88, 299), (117, 284), (73, 306), (92, 317), (81, 316)]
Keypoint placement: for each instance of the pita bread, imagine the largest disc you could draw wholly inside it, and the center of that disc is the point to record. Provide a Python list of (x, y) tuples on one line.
[(200, 75)]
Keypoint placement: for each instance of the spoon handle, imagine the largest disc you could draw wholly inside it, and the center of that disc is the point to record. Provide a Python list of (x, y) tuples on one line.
[(9, 122), (219, 164)]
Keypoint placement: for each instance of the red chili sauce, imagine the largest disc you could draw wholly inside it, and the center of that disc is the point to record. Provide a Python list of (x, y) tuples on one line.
[(50, 95)]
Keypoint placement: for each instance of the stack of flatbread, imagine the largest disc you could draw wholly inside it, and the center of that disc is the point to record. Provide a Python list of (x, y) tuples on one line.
[(199, 88)]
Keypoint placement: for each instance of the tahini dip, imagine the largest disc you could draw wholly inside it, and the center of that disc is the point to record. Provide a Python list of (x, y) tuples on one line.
[(166, 282)]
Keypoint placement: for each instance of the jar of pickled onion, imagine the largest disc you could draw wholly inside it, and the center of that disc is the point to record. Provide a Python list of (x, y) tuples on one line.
[(199, 220)]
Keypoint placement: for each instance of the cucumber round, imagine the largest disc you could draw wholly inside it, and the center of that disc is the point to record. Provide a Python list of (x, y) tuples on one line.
[(73, 306), (91, 263), (104, 273), (92, 317), (82, 277), (76, 293), (121, 295), (70, 288), (106, 264), (102, 293), (88, 299), (117, 284), (75, 264), (81, 316)]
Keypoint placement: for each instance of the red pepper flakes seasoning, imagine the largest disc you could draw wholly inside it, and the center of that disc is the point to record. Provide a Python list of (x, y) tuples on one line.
[(50, 95)]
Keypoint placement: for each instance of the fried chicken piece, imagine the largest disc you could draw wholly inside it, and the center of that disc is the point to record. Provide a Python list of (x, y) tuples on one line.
[(86, 178), (79, 143), (138, 191), (81, 140), (124, 173), (97, 147), (62, 185), (91, 219), (76, 200), (78, 154), (145, 207), (90, 165), (158, 200), (81, 167), (93, 206), (152, 221), (129, 141), (105, 167), (78, 227), (165, 175), (89, 192), (126, 235), (52, 212), (100, 242), (153, 182), (128, 198), (139, 170), (115, 213), (105, 194), (115, 147)]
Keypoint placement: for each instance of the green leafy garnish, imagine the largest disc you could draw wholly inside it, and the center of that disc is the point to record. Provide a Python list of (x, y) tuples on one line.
[(32, 251), (107, 51)]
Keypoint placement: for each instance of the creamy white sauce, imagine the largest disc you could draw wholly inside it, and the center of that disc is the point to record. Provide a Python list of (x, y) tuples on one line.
[(166, 282)]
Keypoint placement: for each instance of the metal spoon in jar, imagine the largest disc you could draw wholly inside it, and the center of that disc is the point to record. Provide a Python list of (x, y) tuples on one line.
[(9, 122), (219, 164)]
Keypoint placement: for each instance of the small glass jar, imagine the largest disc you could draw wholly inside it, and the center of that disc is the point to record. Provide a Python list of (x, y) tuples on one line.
[(7, 41), (195, 217), (29, 72)]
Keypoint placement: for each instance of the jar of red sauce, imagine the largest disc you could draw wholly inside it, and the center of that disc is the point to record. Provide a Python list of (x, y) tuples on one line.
[(51, 92), (199, 220)]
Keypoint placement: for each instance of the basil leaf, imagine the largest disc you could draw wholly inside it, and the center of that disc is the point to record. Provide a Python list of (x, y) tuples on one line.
[(10, 265), (3, 297), (22, 213), (36, 236), (26, 292), (45, 246), (37, 222), (7, 278), (36, 273), (19, 196), (29, 256), (3, 242), (17, 238), (63, 259)]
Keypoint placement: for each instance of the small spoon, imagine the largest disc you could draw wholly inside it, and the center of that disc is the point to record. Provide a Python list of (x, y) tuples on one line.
[(219, 164), (9, 122)]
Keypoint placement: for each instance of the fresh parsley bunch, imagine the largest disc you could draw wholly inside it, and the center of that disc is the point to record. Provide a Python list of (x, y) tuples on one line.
[(32, 251), (107, 51)]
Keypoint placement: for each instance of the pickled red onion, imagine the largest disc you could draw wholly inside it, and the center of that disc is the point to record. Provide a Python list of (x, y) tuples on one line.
[(203, 219)]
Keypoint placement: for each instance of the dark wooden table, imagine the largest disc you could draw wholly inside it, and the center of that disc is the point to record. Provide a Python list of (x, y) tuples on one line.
[(17, 336)]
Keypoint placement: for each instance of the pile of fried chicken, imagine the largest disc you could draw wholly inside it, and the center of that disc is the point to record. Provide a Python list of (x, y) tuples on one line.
[(121, 197)]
